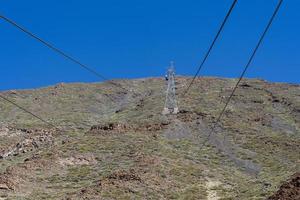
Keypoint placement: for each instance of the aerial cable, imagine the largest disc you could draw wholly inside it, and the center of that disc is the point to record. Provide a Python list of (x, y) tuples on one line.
[(244, 71), (59, 51), (211, 46), (29, 112)]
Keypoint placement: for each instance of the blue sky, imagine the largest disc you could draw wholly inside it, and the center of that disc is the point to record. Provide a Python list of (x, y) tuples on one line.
[(133, 38)]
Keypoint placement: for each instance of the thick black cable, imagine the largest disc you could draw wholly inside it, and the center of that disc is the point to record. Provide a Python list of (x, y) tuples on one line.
[(211, 46), (244, 71), (27, 111), (59, 51)]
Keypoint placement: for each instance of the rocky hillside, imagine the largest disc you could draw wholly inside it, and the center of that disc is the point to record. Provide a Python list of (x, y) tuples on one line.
[(111, 143)]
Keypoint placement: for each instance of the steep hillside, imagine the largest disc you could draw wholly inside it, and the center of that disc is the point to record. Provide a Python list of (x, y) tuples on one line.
[(115, 144)]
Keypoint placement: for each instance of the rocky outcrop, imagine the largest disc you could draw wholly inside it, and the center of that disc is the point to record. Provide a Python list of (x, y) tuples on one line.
[(121, 128), (39, 138), (290, 190)]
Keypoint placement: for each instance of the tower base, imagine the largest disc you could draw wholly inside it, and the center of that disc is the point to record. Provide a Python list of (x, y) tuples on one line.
[(167, 111)]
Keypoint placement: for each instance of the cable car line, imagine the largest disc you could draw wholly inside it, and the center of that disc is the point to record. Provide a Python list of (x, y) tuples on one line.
[(244, 71)]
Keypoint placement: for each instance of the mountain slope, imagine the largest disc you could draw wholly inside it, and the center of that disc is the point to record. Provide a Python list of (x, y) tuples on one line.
[(116, 144)]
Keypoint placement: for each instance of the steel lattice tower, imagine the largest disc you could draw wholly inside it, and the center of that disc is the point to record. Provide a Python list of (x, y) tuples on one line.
[(170, 103)]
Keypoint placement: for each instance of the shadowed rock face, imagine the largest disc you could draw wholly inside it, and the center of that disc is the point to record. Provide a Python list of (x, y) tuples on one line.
[(116, 144), (290, 190)]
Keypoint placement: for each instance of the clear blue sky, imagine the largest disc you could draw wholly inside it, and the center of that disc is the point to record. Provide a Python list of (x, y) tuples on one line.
[(134, 38)]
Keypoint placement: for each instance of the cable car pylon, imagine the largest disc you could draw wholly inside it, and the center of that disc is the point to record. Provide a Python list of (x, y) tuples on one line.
[(171, 106)]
